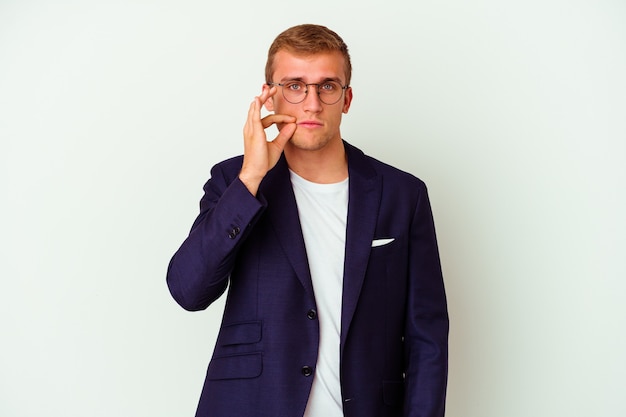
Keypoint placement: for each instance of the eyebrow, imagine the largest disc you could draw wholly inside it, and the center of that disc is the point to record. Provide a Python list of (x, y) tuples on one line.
[(336, 79)]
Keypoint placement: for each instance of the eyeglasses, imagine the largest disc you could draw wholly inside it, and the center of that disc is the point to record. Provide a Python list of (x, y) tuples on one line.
[(329, 92)]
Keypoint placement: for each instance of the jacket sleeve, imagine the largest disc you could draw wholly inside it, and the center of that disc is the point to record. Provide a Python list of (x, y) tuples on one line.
[(198, 272), (427, 325)]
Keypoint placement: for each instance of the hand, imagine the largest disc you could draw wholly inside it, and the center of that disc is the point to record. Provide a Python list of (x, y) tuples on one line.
[(260, 155)]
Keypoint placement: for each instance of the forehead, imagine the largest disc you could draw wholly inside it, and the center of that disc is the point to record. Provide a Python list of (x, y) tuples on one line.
[(309, 68)]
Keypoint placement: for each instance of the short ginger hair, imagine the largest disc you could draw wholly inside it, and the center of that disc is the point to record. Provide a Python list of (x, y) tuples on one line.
[(306, 40)]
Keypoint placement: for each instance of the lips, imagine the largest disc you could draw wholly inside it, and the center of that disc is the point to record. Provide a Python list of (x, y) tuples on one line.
[(310, 123)]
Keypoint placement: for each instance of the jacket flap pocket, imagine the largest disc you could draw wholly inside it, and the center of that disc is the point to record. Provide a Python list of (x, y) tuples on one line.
[(236, 367), (240, 333)]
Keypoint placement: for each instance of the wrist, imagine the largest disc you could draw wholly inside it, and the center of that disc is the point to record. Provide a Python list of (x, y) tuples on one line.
[(251, 181)]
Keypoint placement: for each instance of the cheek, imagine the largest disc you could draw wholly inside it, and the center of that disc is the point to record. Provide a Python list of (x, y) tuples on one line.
[(276, 104), (285, 108), (282, 104), (337, 116)]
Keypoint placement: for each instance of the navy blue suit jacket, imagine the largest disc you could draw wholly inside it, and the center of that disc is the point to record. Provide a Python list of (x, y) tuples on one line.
[(394, 323)]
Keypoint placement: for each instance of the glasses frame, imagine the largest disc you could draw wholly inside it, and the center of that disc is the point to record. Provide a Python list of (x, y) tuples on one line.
[(306, 91)]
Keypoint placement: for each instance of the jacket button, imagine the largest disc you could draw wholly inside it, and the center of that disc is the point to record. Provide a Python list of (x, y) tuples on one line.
[(312, 314), (233, 233), (307, 371)]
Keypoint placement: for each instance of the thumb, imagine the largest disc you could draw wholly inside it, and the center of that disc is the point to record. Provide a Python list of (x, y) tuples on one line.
[(286, 132)]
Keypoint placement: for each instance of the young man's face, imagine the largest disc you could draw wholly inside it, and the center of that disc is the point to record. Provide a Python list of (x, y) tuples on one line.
[(317, 123)]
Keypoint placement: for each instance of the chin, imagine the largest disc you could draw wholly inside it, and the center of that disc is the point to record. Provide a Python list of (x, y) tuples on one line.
[(308, 143)]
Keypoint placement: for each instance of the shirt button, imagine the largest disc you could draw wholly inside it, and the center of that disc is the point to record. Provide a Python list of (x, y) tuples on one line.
[(307, 371), (312, 314)]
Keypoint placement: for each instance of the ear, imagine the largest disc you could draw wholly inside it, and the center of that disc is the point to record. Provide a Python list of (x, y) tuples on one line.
[(269, 104), (347, 100)]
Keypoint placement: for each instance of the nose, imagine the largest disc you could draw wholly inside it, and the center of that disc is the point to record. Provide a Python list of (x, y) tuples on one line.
[(312, 102)]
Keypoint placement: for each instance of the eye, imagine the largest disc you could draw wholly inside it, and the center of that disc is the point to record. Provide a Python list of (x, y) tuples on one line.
[(294, 86), (329, 87)]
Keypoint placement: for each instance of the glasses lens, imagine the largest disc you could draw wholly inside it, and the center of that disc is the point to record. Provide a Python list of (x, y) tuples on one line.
[(294, 91), (329, 92)]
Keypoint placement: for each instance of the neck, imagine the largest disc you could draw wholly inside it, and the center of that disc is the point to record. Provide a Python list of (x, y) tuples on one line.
[(323, 166)]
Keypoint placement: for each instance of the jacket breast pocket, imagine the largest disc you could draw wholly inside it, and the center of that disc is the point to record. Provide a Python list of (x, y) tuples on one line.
[(388, 247)]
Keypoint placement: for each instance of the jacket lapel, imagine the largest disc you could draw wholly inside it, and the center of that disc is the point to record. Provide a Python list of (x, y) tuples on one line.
[(282, 211), (363, 205)]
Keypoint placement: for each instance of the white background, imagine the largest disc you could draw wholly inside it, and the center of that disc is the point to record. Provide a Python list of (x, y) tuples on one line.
[(112, 113)]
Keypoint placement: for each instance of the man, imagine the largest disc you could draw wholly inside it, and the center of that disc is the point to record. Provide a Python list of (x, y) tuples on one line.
[(336, 304)]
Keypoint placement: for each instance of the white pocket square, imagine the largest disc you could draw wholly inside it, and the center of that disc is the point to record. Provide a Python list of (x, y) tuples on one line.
[(381, 242)]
